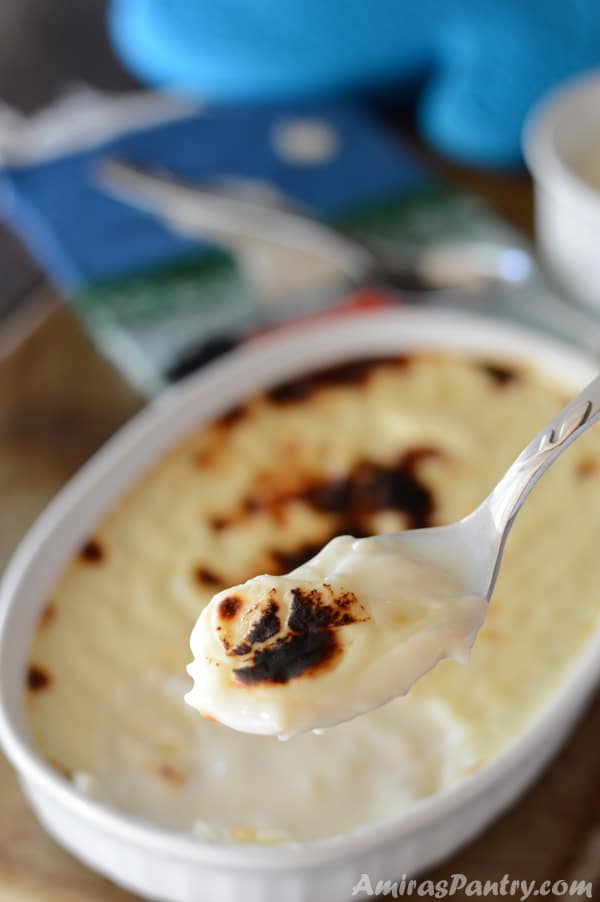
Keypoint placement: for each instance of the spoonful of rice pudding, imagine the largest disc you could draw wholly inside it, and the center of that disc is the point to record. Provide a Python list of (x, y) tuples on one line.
[(361, 621)]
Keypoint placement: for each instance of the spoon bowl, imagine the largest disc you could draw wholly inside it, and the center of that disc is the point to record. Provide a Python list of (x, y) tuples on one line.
[(469, 547)]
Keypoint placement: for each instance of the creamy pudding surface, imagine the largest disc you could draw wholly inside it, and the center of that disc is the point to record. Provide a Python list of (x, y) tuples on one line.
[(368, 447), (349, 630)]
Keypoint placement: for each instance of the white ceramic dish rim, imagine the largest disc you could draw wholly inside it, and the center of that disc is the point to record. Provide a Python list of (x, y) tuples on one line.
[(309, 345), (539, 145)]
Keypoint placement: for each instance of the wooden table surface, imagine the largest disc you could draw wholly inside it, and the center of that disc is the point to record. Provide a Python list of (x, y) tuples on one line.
[(59, 400)]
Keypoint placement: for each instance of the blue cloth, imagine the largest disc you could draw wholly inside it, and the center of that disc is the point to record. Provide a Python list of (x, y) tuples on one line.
[(484, 62), (83, 237)]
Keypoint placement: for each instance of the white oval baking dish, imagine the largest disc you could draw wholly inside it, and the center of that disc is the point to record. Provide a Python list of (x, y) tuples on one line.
[(165, 865)]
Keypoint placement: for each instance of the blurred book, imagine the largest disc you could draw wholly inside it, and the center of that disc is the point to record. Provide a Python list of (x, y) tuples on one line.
[(156, 291)]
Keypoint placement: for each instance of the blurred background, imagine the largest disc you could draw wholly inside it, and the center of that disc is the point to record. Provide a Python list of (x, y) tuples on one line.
[(398, 130), (44, 47), (174, 176), (47, 48)]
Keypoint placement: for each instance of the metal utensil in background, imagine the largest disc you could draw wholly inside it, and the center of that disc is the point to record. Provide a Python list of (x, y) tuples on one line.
[(234, 213), (280, 251), (284, 252)]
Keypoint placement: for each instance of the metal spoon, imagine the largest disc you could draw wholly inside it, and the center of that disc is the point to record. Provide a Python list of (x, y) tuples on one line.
[(477, 541)]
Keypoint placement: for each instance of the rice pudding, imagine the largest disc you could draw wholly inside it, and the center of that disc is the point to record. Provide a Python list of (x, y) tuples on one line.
[(368, 447)]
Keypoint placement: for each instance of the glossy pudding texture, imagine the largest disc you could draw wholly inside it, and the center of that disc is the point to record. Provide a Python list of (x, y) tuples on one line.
[(366, 447), (354, 627)]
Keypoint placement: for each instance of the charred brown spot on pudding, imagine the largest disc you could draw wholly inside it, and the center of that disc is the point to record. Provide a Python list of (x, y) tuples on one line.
[(219, 524), (356, 372), (243, 648), (37, 678), (310, 643), (267, 625), (500, 374), (60, 768), (206, 457), (587, 466), (204, 576), (169, 774), (290, 657), (369, 488), (253, 504), (232, 416), (92, 552), (46, 617), (314, 611), (208, 716), (228, 607), (263, 626)]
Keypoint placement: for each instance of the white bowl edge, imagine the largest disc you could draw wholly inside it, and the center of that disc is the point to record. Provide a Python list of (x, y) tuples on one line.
[(539, 143)]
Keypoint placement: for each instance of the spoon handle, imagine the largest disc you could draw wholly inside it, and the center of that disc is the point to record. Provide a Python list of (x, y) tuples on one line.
[(573, 420)]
